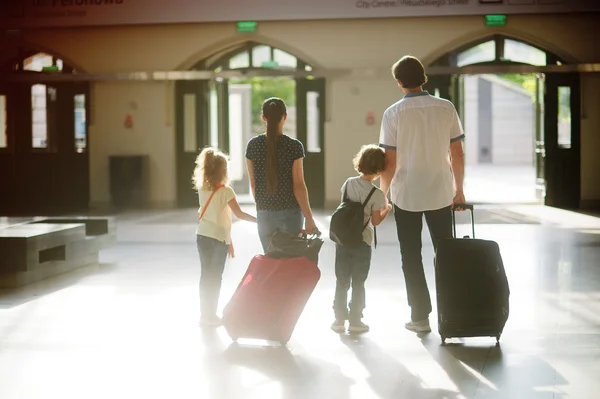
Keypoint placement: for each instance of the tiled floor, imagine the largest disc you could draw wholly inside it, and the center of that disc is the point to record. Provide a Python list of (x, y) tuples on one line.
[(128, 329)]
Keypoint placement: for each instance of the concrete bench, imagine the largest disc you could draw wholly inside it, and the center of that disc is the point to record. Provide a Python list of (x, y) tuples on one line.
[(45, 247), (101, 231)]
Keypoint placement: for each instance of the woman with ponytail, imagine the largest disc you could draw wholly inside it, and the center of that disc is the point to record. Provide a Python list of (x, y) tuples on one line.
[(277, 177)]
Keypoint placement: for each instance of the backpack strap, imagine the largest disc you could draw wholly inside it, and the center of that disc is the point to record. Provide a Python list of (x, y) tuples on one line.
[(369, 197), (375, 235), (208, 202), (365, 204), (366, 224)]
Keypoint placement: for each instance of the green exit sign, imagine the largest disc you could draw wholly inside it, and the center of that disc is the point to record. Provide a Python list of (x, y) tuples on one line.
[(246, 27), (53, 68), (495, 20)]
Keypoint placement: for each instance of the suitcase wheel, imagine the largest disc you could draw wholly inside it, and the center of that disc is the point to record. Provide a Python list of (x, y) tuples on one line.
[(283, 343), (497, 340), (443, 341)]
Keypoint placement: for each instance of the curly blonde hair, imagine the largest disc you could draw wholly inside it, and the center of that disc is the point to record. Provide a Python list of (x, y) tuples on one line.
[(370, 160), (211, 169)]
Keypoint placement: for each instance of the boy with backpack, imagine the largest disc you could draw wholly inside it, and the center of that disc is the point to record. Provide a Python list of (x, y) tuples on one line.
[(362, 204)]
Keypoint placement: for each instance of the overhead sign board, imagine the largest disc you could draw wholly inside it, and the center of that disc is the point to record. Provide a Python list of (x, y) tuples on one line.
[(64, 13)]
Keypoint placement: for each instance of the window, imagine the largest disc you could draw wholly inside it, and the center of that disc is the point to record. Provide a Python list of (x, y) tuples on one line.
[(40, 61), (255, 55), (313, 134), (190, 143), (241, 60), (483, 52), (236, 136), (80, 123), (261, 55), (498, 49), (43, 116), (564, 117), (284, 59), (39, 116), (214, 117), (523, 53), (3, 123)]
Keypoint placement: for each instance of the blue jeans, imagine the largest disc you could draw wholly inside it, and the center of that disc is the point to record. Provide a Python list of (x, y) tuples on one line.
[(352, 265), (288, 220), (213, 255)]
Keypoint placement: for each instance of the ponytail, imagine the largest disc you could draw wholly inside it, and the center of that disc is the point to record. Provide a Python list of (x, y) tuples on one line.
[(211, 169), (273, 109)]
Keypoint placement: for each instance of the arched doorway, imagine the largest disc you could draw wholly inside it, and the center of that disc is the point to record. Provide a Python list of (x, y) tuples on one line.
[(225, 112), (44, 163), (555, 110)]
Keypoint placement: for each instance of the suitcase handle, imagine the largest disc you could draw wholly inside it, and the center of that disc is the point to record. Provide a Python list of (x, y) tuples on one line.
[(304, 234), (468, 207)]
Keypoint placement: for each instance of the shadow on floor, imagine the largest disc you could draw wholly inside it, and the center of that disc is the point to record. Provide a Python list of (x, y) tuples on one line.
[(488, 371), (224, 381), (298, 376), (389, 378)]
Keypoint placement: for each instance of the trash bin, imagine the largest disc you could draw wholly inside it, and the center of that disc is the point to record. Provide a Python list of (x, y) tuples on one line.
[(129, 181)]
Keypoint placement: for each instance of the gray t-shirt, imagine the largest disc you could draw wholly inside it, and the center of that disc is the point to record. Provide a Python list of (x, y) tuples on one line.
[(358, 191)]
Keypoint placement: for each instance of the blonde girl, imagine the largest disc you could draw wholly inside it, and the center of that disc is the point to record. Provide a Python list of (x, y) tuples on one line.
[(213, 233)]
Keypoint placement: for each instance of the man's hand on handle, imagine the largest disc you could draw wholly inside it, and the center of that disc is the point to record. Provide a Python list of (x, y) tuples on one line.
[(459, 198)]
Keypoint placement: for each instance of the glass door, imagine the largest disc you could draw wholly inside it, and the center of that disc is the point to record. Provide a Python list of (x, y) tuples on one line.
[(192, 133), (310, 122), (562, 164)]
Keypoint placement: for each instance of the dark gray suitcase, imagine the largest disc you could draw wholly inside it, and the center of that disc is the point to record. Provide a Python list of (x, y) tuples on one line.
[(472, 288)]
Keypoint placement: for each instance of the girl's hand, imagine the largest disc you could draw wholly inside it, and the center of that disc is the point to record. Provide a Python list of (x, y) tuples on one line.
[(231, 252)]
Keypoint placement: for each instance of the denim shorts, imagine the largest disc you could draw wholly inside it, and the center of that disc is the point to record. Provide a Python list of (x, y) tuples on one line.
[(288, 220)]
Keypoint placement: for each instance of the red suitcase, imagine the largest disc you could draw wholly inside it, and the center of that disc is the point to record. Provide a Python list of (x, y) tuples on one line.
[(270, 298)]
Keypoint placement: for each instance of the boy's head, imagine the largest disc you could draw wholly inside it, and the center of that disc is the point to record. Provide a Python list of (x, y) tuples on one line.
[(409, 72), (370, 160)]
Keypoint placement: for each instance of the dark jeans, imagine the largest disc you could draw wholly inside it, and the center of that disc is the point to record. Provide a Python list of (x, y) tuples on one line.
[(409, 226), (213, 254), (268, 222), (352, 266)]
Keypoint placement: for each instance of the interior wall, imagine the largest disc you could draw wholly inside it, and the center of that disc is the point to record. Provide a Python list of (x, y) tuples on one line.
[(152, 134), (347, 129), (369, 44)]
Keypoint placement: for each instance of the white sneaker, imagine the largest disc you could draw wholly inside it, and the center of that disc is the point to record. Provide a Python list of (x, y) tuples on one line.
[(213, 321), (421, 326), (358, 327), (339, 326)]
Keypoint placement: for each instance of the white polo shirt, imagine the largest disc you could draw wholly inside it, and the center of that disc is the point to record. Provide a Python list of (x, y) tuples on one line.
[(420, 127)]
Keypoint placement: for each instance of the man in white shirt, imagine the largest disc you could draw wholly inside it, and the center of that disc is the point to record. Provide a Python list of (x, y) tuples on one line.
[(417, 134)]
